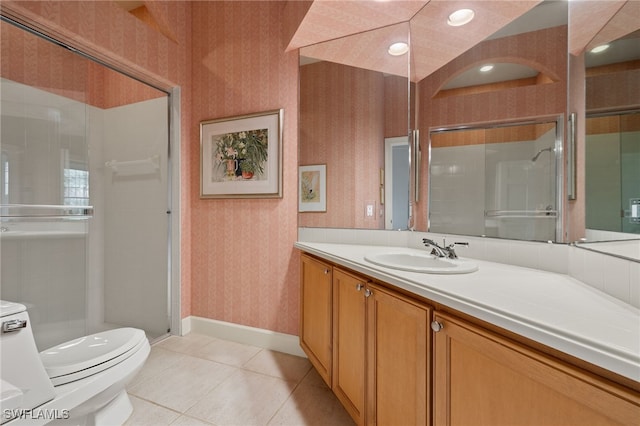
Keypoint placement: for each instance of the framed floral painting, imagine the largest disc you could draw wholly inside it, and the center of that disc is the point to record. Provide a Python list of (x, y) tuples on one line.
[(241, 157), (312, 192)]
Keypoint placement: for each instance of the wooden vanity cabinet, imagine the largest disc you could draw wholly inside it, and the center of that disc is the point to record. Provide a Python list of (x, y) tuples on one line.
[(349, 350), (390, 364), (398, 356), (482, 378), (380, 352), (316, 314)]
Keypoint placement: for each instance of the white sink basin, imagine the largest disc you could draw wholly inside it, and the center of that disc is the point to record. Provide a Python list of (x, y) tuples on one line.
[(419, 262)]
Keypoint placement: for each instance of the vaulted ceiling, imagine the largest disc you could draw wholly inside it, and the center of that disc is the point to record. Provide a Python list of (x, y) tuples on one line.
[(358, 33)]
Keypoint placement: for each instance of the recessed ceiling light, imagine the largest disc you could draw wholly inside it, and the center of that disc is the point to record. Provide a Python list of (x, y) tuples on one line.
[(600, 48), (461, 17), (397, 49), (486, 68)]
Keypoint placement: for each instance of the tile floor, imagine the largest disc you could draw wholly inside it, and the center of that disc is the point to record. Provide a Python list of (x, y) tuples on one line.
[(199, 380)]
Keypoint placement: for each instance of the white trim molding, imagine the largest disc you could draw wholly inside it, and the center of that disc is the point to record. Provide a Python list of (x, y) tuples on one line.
[(259, 337)]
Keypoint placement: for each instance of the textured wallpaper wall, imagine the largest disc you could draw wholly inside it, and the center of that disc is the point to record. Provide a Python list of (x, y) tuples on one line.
[(342, 126), (244, 267)]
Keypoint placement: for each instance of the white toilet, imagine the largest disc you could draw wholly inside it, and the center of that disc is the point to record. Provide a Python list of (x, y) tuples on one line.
[(81, 382)]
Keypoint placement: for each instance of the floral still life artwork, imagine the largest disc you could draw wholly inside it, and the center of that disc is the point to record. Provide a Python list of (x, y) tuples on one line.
[(312, 192), (241, 156)]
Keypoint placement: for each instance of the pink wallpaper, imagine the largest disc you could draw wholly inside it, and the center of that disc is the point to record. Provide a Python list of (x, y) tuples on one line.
[(342, 126), (244, 267), (32, 61)]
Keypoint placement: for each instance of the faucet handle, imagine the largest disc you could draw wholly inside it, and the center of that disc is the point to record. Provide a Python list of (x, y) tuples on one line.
[(430, 242)]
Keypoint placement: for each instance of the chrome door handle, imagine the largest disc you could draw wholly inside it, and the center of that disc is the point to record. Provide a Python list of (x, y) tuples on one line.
[(13, 325)]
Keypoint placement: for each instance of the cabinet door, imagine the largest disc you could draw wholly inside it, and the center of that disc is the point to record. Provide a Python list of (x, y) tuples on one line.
[(484, 379), (315, 314), (398, 352), (349, 342)]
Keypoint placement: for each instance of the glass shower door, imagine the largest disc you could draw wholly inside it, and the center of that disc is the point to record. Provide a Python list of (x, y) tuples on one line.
[(75, 134)]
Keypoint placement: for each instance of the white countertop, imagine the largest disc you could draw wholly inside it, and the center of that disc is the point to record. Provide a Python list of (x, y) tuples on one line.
[(553, 309)]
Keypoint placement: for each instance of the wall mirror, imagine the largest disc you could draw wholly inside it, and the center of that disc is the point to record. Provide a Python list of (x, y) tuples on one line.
[(495, 120), (425, 63), (608, 43), (612, 157), (354, 119), (358, 178)]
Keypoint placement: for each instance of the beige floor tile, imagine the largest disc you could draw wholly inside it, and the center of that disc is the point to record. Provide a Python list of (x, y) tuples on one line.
[(181, 386), (159, 360), (313, 379), (227, 352), (312, 405), (189, 421), (145, 413), (189, 344), (246, 398), (278, 364)]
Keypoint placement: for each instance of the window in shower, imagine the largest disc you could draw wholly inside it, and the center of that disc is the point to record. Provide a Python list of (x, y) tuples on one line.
[(76, 187)]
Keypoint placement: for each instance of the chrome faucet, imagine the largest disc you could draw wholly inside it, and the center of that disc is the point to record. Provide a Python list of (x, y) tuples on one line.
[(444, 251)]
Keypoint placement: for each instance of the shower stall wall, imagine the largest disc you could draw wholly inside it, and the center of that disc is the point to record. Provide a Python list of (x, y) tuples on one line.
[(84, 193)]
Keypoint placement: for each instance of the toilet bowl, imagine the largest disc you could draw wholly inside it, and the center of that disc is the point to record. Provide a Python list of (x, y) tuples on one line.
[(80, 382)]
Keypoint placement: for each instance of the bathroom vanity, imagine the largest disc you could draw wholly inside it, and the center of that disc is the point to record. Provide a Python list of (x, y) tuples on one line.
[(502, 345)]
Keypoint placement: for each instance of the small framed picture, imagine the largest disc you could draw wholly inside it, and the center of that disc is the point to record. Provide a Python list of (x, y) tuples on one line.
[(312, 191), (241, 157)]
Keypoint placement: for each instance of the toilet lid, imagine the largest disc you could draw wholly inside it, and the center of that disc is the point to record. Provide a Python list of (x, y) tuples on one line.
[(10, 308), (89, 355)]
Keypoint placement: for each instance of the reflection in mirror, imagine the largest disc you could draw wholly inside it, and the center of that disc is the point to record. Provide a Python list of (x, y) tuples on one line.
[(506, 193), (347, 113), (611, 122), (613, 139), (613, 180), (496, 182)]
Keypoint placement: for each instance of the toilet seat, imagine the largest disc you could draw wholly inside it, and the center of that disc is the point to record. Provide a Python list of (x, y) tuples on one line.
[(88, 355)]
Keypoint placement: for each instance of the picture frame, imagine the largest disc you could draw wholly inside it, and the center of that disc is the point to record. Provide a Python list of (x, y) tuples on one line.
[(312, 188), (241, 156)]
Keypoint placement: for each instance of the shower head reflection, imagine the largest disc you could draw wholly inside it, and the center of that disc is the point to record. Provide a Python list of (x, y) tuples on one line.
[(535, 157)]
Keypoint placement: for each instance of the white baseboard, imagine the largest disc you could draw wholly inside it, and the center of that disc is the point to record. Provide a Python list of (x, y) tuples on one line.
[(259, 337), (185, 326)]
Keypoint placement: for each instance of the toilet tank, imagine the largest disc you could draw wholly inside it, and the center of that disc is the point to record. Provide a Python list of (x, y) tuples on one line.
[(21, 369)]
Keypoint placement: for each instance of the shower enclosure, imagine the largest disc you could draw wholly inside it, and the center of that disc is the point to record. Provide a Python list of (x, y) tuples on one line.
[(497, 181), (85, 192)]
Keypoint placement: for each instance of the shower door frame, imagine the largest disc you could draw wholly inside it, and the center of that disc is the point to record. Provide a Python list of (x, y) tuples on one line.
[(41, 29)]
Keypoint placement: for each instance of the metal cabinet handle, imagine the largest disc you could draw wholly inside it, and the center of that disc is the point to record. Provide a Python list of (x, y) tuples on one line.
[(437, 326), (359, 286), (367, 293), (13, 325), (326, 271)]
